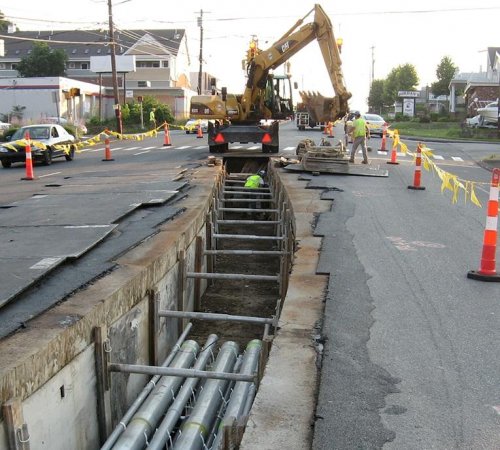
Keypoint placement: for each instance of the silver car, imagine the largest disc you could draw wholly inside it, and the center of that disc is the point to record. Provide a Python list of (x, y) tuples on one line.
[(375, 123)]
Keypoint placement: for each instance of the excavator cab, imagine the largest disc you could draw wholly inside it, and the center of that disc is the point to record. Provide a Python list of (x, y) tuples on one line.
[(278, 96)]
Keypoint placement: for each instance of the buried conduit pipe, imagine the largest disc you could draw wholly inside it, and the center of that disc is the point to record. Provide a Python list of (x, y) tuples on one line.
[(194, 430), (145, 392), (242, 395), (144, 422), (162, 434)]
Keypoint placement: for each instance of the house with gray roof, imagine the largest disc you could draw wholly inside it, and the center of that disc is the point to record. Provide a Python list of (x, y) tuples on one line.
[(161, 60)]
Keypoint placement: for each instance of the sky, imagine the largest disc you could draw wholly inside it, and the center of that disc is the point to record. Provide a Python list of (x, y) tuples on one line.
[(382, 35)]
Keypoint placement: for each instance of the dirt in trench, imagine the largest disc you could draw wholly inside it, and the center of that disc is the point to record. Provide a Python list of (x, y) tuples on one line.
[(244, 298)]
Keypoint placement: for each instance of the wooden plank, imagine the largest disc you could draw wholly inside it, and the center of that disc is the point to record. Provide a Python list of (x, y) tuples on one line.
[(154, 325), (16, 429), (198, 264), (181, 287), (103, 383)]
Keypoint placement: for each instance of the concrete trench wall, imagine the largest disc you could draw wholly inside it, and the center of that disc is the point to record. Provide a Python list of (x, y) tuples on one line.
[(50, 366)]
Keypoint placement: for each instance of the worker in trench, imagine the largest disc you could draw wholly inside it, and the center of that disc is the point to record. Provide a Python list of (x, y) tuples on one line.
[(254, 182)]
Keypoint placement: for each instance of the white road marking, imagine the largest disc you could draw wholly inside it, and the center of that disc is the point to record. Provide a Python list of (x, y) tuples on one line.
[(289, 148), (183, 147), (45, 263), (140, 153), (131, 149), (88, 226), (97, 150), (200, 147), (49, 174), (438, 157), (149, 148), (456, 158)]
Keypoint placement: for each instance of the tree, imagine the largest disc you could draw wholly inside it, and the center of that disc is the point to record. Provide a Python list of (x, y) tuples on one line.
[(376, 96), (4, 24), (43, 62), (401, 78), (445, 72)]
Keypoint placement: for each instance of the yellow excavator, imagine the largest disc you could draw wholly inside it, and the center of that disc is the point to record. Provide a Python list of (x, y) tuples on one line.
[(267, 97)]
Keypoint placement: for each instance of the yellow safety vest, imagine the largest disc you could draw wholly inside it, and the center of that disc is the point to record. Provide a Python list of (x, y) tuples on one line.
[(359, 127), (253, 181)]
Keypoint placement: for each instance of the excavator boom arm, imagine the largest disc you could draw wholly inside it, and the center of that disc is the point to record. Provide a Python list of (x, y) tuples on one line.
[(294, 40)]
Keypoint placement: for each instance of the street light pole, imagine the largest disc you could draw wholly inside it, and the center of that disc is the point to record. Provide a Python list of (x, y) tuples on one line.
[(113, 70)]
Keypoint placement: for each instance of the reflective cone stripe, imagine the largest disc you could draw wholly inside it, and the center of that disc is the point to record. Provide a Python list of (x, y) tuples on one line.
[(166, 142), (330, 129), (490, 232), (29, 159), (200, 132)]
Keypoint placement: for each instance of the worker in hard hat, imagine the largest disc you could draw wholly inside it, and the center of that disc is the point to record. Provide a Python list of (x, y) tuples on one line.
[(256, 181), (359, 130)]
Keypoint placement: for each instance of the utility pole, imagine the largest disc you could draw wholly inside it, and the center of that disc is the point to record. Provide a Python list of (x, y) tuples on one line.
[(373, 65), (113, 70), (200, 24)]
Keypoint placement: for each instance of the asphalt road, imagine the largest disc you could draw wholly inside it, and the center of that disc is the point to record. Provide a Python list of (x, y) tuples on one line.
[(411, 355)]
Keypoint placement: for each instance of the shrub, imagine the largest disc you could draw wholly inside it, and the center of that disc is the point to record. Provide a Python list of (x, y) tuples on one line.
[(400, 117), (425, 119)]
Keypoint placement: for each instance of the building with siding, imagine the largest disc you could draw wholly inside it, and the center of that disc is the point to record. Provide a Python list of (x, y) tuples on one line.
[(161, 61)]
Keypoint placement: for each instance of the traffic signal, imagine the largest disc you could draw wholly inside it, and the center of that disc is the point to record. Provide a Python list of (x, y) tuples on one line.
[(252, 52), (340, 41)]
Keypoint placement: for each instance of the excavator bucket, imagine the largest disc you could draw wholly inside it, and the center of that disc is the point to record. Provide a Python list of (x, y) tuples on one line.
[(324, 109)]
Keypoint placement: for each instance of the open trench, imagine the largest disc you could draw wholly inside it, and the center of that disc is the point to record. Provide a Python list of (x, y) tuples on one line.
[(248, 249)]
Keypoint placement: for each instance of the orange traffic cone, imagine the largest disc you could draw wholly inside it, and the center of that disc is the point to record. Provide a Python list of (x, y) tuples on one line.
[(107, 151), (384, 138), (29, 160), (200, 132), (418, 170), (166, 142), (394, 150), (330, 130), (487, 271)]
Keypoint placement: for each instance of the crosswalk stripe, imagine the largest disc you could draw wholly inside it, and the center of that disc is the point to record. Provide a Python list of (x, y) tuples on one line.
[(456, 158)]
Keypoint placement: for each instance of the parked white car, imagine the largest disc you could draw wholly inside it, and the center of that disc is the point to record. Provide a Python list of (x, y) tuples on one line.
[(4, 126), (488, 114), (51, 139)]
